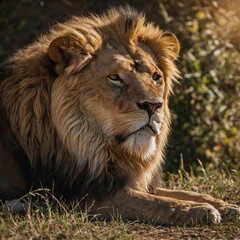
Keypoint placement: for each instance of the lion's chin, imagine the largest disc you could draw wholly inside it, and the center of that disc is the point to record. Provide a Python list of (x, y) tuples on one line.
[(141, 143)]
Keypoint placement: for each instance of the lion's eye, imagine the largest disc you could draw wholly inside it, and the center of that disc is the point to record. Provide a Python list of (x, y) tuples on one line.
[(115, 79), (156, 76)]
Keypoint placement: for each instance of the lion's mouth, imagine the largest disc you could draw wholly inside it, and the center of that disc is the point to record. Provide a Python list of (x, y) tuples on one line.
[(154, 130), (147, 128)]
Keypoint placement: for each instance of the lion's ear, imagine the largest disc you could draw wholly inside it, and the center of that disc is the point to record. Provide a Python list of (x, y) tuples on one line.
[(171, 44), (60, 50), (59, 47)]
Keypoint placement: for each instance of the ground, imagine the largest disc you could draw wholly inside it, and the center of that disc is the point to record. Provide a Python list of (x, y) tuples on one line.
[(70, 224)]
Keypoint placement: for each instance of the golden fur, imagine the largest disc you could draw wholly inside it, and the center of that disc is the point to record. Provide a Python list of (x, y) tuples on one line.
[(86, 130)]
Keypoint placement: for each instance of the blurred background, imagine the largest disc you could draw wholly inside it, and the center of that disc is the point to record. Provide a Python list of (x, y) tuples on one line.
[(205, 105)]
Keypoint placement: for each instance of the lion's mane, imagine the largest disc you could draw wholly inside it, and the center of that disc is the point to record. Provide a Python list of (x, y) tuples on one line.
[(26, 90)]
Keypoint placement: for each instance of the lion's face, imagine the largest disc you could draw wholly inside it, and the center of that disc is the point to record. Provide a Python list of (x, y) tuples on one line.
[(121, 96)]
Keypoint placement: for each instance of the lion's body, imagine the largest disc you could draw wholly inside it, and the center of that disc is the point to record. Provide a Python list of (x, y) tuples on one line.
[(85, 109)]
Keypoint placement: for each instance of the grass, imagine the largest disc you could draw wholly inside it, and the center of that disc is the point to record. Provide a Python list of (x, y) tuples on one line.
[(69, 224)]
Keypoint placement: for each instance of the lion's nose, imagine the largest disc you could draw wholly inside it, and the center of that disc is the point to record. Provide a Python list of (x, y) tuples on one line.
[(150, 107)]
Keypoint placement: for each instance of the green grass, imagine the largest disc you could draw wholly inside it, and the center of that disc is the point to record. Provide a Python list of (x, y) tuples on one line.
[(69, 224)]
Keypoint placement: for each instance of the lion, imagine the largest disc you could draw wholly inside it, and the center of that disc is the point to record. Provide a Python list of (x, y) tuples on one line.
[(84, 112)]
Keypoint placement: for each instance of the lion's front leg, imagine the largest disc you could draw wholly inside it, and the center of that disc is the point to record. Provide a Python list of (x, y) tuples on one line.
[(228, 211), (131, 204)]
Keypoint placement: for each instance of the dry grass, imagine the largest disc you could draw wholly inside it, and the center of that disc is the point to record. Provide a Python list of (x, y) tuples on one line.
[(49, 223)]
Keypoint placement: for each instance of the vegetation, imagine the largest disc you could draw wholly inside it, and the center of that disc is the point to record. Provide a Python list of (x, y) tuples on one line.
[(205, 139), (206, 106)]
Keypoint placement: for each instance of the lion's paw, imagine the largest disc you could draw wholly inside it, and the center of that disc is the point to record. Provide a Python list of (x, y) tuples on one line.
[(202, 214), (230, 212)]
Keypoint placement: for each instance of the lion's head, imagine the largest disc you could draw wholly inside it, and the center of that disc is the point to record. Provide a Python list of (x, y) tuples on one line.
[(120, 93), (94, 90)]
